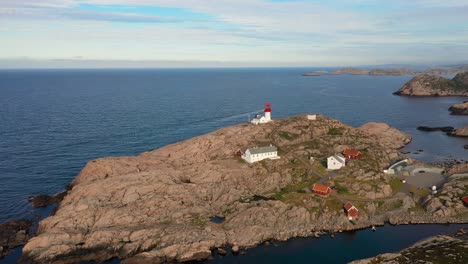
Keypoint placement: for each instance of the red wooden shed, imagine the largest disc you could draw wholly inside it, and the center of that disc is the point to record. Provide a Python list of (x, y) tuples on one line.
[(352, 154), (321, 189), (351, 211)]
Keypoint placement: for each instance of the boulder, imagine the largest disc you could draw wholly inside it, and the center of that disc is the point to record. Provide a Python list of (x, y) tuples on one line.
[(14, 234)]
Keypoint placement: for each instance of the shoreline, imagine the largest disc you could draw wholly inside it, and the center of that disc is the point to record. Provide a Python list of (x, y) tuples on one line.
[(248, 222)]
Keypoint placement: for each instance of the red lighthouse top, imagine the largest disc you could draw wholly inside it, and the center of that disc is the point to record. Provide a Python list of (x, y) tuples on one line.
[(267, 107)]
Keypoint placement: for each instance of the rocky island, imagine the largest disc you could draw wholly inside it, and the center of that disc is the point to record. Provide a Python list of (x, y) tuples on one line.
[(390, 71), (459, 109), (159, 206), (431, 85)]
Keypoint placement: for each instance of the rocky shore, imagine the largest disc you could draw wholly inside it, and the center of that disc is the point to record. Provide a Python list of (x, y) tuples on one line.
[(431, 85), (459, 132), (437, 249), (459, 109), (13, 234), (156, 207)]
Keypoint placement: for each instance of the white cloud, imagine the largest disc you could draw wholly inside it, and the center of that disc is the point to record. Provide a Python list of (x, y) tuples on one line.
[(240, 31)]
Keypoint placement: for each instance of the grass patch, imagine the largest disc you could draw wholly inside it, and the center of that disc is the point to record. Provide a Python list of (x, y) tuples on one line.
[(335, 131), (198, 221), (418, 192), (334, 204), (341, 189), (396, 185), (319, 168), (286, 135), (296, 188)]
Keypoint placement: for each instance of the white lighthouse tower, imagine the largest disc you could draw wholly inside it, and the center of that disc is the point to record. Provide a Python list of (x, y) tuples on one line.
[(263, 119), (267, 112)]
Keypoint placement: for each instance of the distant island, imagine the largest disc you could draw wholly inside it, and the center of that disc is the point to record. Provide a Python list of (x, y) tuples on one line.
[(431, 85), (191, 199), (390, 71)]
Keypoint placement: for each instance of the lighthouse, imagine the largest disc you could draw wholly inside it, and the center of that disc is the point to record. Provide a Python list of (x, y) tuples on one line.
[(263, 119), (267, 112)]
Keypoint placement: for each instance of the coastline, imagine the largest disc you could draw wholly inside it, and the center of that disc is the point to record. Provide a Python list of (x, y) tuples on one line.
[(237, 224)]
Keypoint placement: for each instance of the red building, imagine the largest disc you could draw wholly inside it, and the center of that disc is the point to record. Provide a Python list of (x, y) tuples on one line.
[(321, 189), (465, 200), (351, 211), (352, 154)]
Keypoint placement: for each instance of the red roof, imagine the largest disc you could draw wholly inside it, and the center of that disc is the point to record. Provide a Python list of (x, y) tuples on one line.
[(348, 206), (351, 152), (320, 188), (465, 200)]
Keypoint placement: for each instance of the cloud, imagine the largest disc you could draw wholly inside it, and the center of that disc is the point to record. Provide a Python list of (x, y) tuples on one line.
[(317, 32)]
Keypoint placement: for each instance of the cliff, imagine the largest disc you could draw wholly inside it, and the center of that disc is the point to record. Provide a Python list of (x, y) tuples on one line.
[(430, 85), (156, 207)]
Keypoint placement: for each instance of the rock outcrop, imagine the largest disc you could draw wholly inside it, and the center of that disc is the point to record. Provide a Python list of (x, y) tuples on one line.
[(13, 234), (459, 109), (430, 85), (438, 249), (448, 201), (459, 132), (156, 207), (391, 137), (44, 200)]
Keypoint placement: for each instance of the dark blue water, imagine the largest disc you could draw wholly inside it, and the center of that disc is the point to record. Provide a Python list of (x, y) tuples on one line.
[(53, 121), (343, 248)]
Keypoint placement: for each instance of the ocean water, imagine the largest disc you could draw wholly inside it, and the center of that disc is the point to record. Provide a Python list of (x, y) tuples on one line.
[(54, 121)]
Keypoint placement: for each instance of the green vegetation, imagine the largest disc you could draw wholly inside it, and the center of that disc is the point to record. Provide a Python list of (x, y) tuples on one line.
[(335, 131), (319, 168), (418, 192), (290, 189), (198, 221), (396, 185), (341, 189), (287, 135), (334, 204)]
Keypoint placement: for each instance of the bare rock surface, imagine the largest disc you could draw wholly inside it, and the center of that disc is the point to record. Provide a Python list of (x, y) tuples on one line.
[(431, 85), (459, 132), (391, 137), (459, 109), (13, 234), (155, 207)]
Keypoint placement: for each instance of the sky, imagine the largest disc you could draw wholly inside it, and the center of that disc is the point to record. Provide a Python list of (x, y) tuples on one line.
[(211, 33)]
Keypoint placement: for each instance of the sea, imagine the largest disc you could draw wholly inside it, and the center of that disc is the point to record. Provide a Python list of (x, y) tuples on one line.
[(53, 121)]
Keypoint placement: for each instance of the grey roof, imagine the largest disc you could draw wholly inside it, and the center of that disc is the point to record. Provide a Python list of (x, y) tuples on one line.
[(258, 150), (339, 157)]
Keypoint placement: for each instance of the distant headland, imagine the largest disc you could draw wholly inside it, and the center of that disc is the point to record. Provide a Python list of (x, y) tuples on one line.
[(390, 71)]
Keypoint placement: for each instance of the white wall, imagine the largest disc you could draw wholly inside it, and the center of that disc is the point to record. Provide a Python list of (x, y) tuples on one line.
[(258, 157), (334, 164)]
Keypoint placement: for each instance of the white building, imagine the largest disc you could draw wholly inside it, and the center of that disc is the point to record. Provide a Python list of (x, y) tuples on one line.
[(260, 153), (263, 119), (336, 162), (312, 117)]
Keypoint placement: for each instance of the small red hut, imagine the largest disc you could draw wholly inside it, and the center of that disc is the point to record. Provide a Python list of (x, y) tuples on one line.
[(352, 154), (321, 189), (465, 200), (351, 211)]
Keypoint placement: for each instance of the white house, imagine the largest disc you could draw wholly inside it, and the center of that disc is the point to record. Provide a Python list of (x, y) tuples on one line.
[(260, 153), (312, 117), (336, 162)]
